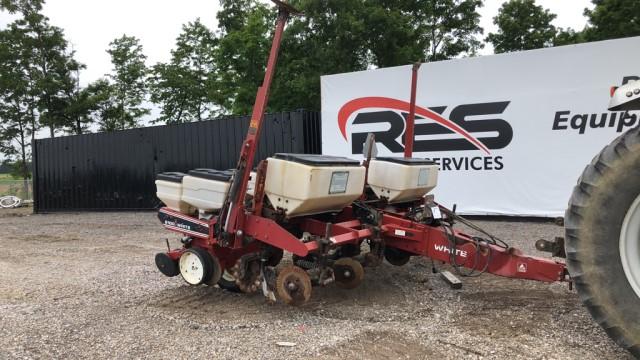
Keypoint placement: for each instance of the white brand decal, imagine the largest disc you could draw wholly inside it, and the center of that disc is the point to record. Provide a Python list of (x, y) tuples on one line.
[(446, 249), (177, 224)]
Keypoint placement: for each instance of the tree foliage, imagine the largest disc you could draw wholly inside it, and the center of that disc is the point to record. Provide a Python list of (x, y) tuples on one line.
[(128, 88), (335, 37), (47, 63), (522, 25), (244, 30), (17, 106), (36, 81), (568, 37), (450, 26), (612, 19), (87, 106), (22, 6), (184, 87)]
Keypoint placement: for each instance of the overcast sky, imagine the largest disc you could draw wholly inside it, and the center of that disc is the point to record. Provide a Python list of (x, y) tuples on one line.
[(91, 24)]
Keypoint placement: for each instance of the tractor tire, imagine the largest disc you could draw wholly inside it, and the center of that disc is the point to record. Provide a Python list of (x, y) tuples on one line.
[(602, 248)]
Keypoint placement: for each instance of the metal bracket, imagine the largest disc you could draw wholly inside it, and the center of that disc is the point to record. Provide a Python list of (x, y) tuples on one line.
[(555, 247)]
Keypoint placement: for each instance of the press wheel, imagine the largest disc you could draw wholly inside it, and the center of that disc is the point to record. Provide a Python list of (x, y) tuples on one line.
[(348, 273), (228, 282), (293, 285)]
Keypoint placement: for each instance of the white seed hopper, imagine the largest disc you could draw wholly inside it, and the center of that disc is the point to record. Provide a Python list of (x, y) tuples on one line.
[(302, 184), (169, 190), (206, 189), (402, 179)]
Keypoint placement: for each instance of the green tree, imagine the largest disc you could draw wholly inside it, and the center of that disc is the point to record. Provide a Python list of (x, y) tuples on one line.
[(522, 25), (568, 37), (128, 84), (48, 63), (450, 27), (244, 28), (343, 36), (36, 67), (14, 6), (233, 14), (612, 19), (86, 106), (334, 37), (391, 32), (17, 107), (330, 38), (183, 87)]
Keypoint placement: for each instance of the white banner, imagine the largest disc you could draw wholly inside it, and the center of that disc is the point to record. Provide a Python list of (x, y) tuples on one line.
[(511, 133)]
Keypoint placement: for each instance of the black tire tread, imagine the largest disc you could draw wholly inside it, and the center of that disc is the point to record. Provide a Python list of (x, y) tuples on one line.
[(593, 176)]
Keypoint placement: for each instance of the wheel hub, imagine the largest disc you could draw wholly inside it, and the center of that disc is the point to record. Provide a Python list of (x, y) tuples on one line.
[(630, 245), (292, 286)]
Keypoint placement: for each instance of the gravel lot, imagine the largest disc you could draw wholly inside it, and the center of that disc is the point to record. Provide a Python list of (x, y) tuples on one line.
[(85, 286)]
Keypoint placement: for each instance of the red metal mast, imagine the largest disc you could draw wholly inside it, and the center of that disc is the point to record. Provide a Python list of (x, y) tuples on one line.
[(234, 204), (408, 133)]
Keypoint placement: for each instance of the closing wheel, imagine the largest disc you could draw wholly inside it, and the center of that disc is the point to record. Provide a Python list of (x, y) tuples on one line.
[(293, 285), (228, 282), (195, 266), (602, 227), (396, 257), (348, 273), (247, 278)]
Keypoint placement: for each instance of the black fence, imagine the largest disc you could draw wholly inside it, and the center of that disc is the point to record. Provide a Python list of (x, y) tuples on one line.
[(116, 171)]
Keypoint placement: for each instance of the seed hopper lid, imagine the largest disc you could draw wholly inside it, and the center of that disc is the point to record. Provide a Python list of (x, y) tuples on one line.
[(406, 160), (171, 176), (318, 160), (212, 174)]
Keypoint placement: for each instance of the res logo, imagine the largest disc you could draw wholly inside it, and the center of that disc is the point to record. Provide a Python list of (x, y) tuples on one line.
[(495, 133)]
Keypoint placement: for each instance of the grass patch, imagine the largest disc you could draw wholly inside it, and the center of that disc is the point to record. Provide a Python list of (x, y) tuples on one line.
[(12, 186)]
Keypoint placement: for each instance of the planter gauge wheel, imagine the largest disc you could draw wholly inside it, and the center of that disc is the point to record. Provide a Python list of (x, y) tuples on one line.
[(195, 266)]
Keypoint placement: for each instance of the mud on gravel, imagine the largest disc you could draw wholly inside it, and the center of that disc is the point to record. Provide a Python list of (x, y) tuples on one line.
[(85, 286)]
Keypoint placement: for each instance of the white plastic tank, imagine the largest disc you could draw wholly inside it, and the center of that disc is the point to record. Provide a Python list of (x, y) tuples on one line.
[(206, 189), (169, 191), (401, 179), (303, 184)]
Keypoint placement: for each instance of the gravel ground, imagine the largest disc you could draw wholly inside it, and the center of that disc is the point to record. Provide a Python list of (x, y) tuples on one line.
[(85, 286)]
